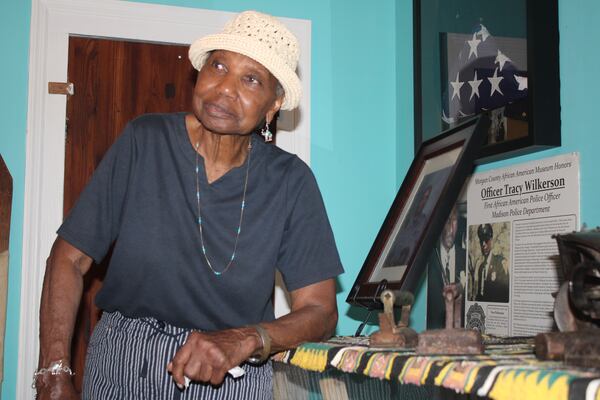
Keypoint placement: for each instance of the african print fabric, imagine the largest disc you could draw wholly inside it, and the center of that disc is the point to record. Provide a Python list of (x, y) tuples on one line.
[(504, 372)]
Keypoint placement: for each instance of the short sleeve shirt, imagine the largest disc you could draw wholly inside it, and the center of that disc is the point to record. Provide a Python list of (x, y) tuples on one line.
[(142, 198)]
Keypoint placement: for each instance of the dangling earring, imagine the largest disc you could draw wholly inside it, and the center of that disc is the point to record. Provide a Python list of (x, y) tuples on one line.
[(266, 133)]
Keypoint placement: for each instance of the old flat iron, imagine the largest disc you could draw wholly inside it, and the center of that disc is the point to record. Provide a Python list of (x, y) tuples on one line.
[(577, 303), (453, 339), (391, 334)]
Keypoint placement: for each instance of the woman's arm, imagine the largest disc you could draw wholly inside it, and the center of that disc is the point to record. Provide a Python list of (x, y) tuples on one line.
[(61, 294), (207, 356), (313, 317)]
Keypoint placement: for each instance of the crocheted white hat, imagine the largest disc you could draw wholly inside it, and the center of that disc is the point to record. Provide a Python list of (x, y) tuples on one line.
[(262, 38)]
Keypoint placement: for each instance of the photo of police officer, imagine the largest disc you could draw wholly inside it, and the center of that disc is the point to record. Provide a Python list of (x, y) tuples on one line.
[(489, 262)]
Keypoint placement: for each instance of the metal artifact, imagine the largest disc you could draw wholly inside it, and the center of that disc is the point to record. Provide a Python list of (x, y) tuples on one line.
[(577, 303), (453, 339), (391, 334)]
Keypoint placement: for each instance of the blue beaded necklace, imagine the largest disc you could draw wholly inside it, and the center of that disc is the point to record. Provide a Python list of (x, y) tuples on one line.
[(239, 228)]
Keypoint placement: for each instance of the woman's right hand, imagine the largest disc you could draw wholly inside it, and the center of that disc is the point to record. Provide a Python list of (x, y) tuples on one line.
[(55, 387)]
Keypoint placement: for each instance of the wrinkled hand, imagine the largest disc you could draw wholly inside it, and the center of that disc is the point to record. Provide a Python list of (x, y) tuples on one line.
[(55, 387), (207, 356)]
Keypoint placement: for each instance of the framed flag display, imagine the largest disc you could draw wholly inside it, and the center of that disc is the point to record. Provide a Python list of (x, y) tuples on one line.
[(400, 251), (497, 58)]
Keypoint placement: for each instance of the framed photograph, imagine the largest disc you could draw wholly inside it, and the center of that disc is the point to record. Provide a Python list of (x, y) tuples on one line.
[(399, 254), (493, 58)]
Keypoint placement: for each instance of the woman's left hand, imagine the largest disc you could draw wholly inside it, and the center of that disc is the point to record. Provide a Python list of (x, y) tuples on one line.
[(207, 356)]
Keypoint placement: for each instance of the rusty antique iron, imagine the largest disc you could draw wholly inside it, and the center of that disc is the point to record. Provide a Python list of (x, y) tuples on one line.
[(453, 339), (580, 348), (391, 334), (577, 304)]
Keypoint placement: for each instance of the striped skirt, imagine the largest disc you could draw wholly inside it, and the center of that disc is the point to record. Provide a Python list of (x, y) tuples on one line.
[(127, 359)]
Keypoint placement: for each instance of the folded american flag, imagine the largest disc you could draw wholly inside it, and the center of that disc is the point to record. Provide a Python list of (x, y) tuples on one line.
[(483, 73)]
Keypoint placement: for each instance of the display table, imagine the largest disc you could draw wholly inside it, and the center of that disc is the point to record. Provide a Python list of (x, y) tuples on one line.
[(345, 368)]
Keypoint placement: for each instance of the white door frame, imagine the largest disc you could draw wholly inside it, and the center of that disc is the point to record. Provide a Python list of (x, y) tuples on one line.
[(52, 21)]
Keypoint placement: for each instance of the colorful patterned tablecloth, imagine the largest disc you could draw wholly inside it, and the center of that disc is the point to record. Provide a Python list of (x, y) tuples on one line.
[(506, 371)]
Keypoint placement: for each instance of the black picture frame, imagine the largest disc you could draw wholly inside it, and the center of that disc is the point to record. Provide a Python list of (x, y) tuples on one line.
[(542, 104), (418, 213)]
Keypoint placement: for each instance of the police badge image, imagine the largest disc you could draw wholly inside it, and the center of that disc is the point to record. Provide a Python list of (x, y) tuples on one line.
[(476, 318)]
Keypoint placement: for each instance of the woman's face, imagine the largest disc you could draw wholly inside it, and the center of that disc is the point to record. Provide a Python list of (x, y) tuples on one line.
[(234, 93)]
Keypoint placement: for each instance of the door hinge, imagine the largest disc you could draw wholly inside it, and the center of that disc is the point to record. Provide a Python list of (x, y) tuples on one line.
[(61, 88)]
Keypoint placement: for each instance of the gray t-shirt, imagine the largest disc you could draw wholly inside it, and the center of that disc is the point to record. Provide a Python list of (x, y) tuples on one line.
[(142, 197)]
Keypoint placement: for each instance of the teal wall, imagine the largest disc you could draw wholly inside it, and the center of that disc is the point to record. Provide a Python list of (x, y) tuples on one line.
[(14, 47), (580, 85), (361, 123)]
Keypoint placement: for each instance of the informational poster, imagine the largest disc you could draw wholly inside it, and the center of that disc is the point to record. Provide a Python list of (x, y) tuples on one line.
[(512, 259)]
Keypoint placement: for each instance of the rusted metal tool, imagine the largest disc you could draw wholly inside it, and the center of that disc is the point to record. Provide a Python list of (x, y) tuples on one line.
[(581, 348), (453, 339), (577, 304), (391, 334)]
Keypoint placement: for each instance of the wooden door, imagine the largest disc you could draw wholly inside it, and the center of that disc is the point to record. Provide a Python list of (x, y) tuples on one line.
[(114, 81), (6, 189)]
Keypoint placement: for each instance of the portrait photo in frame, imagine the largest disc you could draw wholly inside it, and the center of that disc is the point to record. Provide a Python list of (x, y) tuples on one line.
[(498, 58), (399, 253)]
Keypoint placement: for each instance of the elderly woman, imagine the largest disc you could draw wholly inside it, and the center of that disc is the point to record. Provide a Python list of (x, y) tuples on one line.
[(201, 212)]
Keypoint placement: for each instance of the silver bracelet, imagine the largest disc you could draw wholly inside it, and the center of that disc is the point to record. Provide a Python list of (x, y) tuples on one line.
[(266, 346), (58, 367)]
